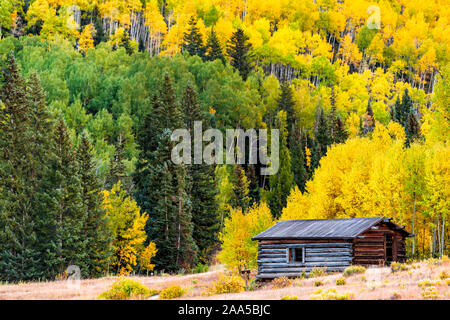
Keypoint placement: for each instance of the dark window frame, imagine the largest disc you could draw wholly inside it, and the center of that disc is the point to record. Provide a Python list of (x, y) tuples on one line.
[(292, 254)]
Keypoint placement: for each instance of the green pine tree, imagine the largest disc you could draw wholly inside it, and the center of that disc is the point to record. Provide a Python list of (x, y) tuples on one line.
[(240, 198), (161, 186), (402, 109), (200, 185), (282, 182), (254, 189), (322, 134), (192, 40), (340, 133), (213, 48), (95, 227), (69, 241), (238, 49), (117, 168), (412, 129), (20, 258), (286, 103), (298, 159)]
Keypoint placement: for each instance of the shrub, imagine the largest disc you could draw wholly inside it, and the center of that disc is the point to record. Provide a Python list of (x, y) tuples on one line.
[(330, 294), (172, 292), (341, 281), (252, 285), (124, 289), (289, 298), (317, 272), (397, 266), (297, 282), (395, 295), (428, 283), (430, 293), (354, 270), (444, 275), (201, 268), (281, 282), (226, 284), (318, 283)]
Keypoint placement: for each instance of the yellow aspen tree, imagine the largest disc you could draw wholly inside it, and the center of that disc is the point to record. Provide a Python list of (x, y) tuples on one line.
[(86, 40), (238, 250), (127, 225)]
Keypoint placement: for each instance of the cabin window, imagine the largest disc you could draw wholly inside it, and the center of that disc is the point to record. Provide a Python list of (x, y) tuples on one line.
[(296, 255)]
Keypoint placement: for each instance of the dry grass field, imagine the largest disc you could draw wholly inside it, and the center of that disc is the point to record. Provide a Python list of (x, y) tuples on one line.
[(420, 280)]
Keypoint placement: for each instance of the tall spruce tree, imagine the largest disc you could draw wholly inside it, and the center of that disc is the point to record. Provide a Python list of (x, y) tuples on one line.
[(238, 49), (254, 188), (69, 242), (200, 183), (192, 40), (402, 109), (412, 129), (340, 133), (286, 103), (213, 48), (95, 227), (240, 198), (298, 159), (282, 182), (161, 186), (117, 168), (322, 134), (20, 258)]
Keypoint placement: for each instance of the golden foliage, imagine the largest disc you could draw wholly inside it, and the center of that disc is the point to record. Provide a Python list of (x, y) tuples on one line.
[(127, 226), (238, 250)]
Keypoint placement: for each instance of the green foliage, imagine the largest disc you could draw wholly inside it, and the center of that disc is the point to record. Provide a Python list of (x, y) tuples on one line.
[(289, 298), (125, 289), (213, 48), (238, 49), (161, 185), (281, 183), (200, 185), (240, 197), (192, 40), (95, 228), (200, 268)]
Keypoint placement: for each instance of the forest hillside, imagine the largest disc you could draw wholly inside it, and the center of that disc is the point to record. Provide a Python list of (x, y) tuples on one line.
[(91, 92)]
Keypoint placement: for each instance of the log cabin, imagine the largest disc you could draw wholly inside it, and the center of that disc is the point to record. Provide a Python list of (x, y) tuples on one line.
[(293, 247)]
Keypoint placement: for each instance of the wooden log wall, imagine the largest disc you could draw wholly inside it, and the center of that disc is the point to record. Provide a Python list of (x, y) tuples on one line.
[(370, 247), (335, 255)]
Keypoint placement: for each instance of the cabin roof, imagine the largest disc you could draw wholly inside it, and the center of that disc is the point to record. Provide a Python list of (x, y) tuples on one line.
[(323, 228)]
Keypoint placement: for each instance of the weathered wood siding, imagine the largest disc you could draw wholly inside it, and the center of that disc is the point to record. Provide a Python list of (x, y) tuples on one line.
[(273, 258), (370, 247)]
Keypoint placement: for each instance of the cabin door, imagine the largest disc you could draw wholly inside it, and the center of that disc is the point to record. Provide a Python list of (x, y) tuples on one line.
[(388, 239)]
